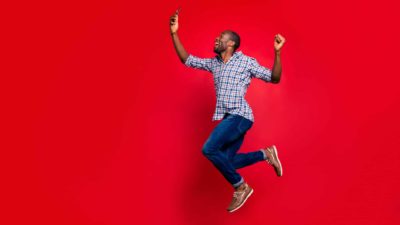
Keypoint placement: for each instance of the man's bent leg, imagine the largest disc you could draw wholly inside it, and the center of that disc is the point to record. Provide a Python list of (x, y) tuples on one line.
[(242, 159), (225, 132)]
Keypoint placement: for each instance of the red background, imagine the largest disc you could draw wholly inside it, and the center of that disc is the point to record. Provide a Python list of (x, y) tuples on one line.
[(103, 125)]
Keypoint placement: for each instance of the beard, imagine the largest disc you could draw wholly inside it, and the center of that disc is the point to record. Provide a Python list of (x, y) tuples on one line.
[(218, 49)]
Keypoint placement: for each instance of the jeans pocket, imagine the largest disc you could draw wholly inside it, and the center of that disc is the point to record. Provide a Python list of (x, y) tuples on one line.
[(244, 125)]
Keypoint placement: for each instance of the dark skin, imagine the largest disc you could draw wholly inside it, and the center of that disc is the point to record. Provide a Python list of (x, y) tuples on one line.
[(224, 47)]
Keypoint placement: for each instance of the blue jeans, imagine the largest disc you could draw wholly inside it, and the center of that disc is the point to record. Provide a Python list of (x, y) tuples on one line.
[(222, 145)]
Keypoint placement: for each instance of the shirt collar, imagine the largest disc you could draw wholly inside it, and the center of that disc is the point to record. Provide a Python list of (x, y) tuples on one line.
[(235, 55)]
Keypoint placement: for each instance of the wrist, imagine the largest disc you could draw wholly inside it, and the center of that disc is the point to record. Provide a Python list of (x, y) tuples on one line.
[(174, 33), (278, 52)]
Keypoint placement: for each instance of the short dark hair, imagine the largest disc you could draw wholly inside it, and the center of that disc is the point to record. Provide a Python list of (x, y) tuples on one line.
[(234, 37)]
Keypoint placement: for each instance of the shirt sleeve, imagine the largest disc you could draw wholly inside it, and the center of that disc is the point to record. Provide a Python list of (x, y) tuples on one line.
[(260, 72), (199, 63)]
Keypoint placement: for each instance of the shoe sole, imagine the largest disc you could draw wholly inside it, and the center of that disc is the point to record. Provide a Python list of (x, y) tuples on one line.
[(275, 151), (233, 210)]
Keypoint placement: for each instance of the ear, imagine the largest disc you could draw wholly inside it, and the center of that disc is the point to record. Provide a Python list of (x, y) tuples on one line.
[(231, 43)]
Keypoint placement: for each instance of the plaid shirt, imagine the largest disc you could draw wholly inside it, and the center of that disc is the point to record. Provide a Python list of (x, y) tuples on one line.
[(231, 81)]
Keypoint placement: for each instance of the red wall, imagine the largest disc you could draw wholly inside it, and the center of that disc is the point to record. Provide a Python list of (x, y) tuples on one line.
[(103, 125)]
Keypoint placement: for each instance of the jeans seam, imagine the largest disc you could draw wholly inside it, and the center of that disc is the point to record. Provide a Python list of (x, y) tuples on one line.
[(239, 126), (235, 185)]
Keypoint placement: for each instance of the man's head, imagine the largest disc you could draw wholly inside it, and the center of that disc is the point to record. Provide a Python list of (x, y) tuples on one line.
[(227, 41)]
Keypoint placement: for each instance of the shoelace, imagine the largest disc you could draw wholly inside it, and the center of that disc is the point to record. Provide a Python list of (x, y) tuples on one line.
[(236, 194), (268, 159)]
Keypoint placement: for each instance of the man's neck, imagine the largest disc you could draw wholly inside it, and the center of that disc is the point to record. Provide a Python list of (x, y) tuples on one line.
[(225, 56)]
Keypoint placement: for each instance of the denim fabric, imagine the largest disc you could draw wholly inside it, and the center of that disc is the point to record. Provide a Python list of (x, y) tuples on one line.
[(223, 143)]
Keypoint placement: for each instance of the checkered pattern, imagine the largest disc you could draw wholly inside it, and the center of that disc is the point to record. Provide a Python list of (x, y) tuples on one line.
[(231, 81)]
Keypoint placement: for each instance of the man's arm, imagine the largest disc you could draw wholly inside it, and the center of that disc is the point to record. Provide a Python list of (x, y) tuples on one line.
[(180, 50), (277, 68), (260, 72)]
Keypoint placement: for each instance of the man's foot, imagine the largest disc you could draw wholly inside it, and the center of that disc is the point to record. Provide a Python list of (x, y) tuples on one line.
[(241, 194), (273, 160)]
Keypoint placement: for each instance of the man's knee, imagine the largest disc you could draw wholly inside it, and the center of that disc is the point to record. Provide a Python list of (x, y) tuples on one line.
[(207, 149)]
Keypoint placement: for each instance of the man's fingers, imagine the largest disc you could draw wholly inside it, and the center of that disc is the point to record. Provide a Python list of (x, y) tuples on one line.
[(174, 19), (279, 38)]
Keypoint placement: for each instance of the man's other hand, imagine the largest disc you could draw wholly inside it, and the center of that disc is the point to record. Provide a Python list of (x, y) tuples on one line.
[(279, 42)]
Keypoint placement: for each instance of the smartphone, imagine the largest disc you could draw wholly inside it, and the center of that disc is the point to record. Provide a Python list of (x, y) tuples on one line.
[(178, 10)]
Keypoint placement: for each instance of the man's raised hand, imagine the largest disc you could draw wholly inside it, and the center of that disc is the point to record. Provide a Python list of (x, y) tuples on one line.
[(279, 42), (173, 21)]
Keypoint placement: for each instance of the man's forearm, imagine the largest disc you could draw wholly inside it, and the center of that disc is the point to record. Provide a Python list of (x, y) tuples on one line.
[(277, 68), (180, 50)]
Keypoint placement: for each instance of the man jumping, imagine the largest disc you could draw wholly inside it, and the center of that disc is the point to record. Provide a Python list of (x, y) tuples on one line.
[(232, 72)]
